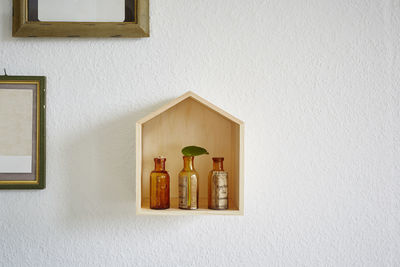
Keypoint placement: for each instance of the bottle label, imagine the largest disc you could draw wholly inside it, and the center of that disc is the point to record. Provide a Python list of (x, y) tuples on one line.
[(193, 192), (219, 190), (183, 199), (188, 192)]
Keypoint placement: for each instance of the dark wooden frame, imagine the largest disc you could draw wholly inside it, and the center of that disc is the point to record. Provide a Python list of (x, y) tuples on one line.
[(40, 182), (24, 27)]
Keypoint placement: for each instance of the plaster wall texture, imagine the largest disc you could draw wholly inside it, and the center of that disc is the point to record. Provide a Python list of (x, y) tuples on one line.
[(317, 84)]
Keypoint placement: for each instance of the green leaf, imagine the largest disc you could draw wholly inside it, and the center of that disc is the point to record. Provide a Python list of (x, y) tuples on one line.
[(192, 151)]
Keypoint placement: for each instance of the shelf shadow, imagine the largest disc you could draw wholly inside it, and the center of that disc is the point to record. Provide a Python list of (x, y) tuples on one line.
[(100, 167)]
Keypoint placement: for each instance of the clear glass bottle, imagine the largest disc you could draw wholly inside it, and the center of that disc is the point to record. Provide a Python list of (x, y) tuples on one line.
[(188, 185), (218, 186), (159, 185)]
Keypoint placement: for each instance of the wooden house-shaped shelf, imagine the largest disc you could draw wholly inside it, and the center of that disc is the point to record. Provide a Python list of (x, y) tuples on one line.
[(189, 120)]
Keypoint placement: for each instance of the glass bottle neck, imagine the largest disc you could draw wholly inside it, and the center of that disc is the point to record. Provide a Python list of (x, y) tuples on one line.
[(159, 164), (188, 163), (218, 165)]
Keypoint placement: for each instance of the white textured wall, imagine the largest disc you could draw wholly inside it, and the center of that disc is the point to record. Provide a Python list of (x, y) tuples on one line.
[(317, 83)]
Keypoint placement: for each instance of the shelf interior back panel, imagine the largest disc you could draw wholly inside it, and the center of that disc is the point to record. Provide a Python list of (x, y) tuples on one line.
[(191, 123)]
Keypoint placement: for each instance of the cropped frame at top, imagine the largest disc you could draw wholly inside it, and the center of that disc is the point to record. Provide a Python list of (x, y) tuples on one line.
[(40, 131), (25, 26)]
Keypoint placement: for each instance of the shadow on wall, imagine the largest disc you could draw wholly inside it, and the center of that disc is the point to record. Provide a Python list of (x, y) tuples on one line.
[(101, 170)]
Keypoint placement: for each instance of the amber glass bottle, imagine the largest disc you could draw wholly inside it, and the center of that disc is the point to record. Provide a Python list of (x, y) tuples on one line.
[(218, 186), (159, 185), (188, 185)]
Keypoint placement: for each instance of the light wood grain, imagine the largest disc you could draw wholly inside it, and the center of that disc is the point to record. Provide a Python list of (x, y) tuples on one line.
[(174, 210), (189, 120)]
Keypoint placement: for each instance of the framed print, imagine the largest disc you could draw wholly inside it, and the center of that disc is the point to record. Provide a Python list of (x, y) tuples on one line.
[(83, 18), (22, 132)]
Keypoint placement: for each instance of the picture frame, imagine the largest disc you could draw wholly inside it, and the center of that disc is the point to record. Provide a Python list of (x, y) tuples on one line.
[(22, 132), (27, 24)]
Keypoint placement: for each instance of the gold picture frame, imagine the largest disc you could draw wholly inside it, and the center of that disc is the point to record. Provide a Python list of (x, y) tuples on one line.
[(35, 178), (26, 26)]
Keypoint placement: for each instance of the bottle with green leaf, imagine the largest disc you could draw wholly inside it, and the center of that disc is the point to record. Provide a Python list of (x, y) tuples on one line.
[(189, 178)]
